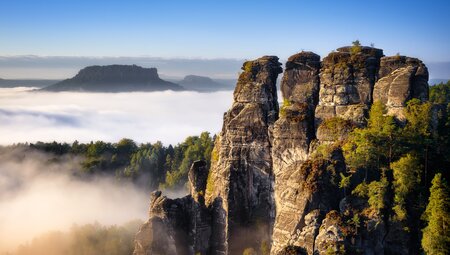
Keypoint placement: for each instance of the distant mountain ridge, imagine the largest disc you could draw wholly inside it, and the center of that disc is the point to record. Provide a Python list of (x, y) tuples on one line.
[(203, 84), (10, 83), (115, 78)]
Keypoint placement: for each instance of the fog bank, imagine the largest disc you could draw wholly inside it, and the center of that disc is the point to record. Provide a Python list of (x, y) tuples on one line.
[(142, 116), (38, 194)]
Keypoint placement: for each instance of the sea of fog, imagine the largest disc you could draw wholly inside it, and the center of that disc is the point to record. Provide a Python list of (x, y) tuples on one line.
[(38, 195), (167, 116)]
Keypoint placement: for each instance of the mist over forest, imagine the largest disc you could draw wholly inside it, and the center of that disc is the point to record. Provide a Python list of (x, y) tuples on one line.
[(67, 174)]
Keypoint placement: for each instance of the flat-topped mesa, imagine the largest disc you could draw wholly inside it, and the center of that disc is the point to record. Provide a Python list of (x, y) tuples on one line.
[(114, 78), (346, 83), (241, 182), (400, 79)]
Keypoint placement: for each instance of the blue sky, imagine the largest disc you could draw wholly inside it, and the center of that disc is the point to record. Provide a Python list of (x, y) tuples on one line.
[(221, 29)]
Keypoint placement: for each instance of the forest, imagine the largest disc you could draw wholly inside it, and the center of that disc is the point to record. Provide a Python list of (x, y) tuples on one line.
[(399, 170), (150, 166)]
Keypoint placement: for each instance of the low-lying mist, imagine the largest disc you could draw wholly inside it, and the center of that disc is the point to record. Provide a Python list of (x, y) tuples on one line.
[(166, 116), (39, 194)]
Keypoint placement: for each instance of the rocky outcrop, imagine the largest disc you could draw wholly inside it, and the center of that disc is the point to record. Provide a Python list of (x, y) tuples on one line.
[(275, 173), (347, 79), (241, 171), (178, 226), (400, 79), (305, 192), (114, 78), (300, 81)]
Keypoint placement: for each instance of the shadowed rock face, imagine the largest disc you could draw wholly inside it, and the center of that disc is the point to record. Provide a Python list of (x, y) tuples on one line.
[(300, 81), (178, 226), (114, 78), (274, 176), (241, 173)]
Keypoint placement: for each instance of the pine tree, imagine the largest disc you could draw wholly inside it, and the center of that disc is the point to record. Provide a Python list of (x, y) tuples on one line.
[(436, 235), (406, 172), (372, 147)]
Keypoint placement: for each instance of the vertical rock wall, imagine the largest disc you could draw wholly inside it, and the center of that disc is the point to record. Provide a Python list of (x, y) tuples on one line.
[(241, 172), (347, 79)]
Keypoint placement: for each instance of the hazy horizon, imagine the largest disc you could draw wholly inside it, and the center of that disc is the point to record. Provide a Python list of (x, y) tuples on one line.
[(63, 67)]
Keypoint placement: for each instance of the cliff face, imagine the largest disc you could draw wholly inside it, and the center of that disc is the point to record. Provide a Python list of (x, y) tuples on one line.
[(346, 83), (274, 180), (114, 78), (400, 79), (241, 180)]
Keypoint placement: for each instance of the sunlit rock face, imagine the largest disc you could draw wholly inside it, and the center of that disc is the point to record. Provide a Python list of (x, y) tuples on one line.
[(273, 184), (347, 79), (400, 79)]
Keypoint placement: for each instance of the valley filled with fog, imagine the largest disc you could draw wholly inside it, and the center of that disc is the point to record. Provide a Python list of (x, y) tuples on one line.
[(167, 116), (41, 191)]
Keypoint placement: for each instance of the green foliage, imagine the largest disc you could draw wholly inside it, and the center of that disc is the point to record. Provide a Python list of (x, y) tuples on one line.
[(436, 235), (440, 93), (248, 66), (371, 147), (406, 171), (249, 251), (345, 181), (356, 47), (148, 165), (334, 127), (339, 250), (264, 249), (53, 147), (209, 183), (286, 103), (418, 117), (376, 192), (194, 148)]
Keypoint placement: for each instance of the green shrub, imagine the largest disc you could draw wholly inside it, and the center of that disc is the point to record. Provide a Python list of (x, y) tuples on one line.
[(356, 47), (286, 103)]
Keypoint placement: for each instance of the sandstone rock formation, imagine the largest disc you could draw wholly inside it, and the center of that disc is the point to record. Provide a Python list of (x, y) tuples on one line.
[(347, 79), (178, 226), (400, 79), (273, 184), (114, 78), (241, 171)]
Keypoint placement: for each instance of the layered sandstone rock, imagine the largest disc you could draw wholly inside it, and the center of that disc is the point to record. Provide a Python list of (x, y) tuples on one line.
[(346, 82), (274, 176), (241, 178), (400, 79)]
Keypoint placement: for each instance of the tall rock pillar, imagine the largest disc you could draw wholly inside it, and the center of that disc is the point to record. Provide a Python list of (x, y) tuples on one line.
[(240, 185)]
